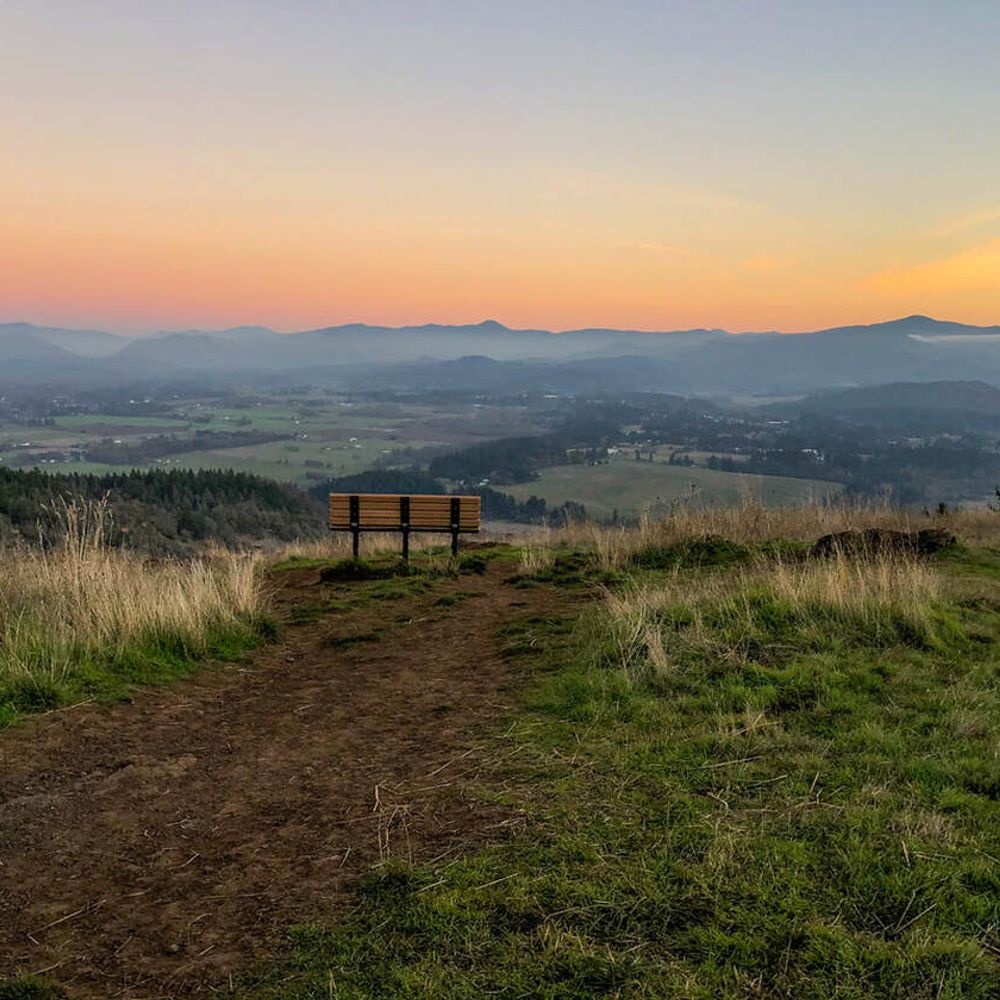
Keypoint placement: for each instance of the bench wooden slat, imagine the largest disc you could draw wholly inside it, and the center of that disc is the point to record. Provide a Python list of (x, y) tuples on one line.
[(382, 512)]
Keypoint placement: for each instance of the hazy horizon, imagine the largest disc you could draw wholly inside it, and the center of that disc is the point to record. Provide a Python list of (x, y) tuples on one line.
[(644, 165), (161, 329)]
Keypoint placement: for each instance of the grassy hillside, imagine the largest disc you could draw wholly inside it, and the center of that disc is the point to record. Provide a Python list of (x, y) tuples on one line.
[(722, 767), (631, 487), (737, 775), (952, 397)]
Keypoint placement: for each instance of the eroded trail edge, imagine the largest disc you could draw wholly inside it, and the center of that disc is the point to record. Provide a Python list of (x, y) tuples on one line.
[(151, 849)]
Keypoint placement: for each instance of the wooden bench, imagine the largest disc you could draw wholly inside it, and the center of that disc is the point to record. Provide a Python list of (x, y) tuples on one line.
[(357, 512)]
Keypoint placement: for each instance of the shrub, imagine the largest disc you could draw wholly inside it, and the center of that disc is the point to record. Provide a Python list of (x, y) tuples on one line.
[(472, 563), (708, 551), (356, 570)]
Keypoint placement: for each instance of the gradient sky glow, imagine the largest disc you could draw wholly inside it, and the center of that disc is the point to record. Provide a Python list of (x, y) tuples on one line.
[(556, 163)]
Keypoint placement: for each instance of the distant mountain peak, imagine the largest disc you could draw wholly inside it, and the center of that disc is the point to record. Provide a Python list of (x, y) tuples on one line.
[(703, 361)]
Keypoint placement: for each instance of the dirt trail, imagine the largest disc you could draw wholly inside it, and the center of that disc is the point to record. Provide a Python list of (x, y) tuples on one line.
[(149, 849)]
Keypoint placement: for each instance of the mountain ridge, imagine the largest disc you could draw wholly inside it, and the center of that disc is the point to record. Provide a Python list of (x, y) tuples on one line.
[(695, 361)]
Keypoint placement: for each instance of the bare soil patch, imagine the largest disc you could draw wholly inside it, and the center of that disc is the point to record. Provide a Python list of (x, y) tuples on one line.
[(153, 848)]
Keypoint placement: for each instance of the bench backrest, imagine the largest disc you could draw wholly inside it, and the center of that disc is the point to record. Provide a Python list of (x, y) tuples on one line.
[(402, 511)]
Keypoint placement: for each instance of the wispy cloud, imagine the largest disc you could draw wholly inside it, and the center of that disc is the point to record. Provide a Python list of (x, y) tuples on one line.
[(649, 191), (973, 220), (974, 269), (769, 262), (667, 249)]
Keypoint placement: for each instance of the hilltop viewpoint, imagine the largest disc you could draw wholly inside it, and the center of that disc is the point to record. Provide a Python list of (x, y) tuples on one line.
[(725, 753)]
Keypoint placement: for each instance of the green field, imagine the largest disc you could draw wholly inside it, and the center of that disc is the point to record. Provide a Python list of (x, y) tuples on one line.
[(88, 420), (285, 460), (631, 487), (323, 435), (80, 468)]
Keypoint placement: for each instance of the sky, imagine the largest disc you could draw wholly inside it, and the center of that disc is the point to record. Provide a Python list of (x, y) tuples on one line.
[(546, 163)]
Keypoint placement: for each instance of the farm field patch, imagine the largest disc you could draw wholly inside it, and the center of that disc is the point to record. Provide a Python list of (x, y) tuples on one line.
[(631, 487), (320, 436), (289, 461)]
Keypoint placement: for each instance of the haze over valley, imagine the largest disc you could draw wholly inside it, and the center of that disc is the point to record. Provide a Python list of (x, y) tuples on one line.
[(606, 424)]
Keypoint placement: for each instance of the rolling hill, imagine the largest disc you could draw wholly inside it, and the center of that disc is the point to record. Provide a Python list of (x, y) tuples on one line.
[(909, 406), (700, 362)]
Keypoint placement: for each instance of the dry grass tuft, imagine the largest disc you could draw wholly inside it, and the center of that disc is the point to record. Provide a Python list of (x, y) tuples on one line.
[(85, 601), (537, 555), (762, 609), (753, 524), (337, 545)]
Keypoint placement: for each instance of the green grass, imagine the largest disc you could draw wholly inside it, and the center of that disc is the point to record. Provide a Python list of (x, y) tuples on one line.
[(348, 641), (266, 417), (630, 487), (111, 675), (567, 569), (28, 987), (815, 817), (350, 584), (456, 597), (84, 468)]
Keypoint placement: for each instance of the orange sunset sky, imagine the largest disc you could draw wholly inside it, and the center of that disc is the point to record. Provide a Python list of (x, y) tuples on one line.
[(656, 165)]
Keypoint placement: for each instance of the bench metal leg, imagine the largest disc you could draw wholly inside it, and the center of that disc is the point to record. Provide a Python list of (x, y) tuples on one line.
[(355, 519), (404, 525), (456, 524)]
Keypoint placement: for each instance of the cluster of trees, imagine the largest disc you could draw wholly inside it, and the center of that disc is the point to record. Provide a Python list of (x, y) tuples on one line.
[(407, 480), (918, 461), (497, 506), (506, 460), (871, 462), (588, 429), (162, 512)]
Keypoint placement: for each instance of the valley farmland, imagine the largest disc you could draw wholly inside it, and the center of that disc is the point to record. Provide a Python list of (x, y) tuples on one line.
[(630, 488)]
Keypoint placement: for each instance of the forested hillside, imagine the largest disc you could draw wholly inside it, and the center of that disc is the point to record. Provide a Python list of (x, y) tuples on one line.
[(162, 512)]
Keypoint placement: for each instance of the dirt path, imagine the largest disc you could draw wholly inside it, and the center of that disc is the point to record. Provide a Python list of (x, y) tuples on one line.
[(150, 849)]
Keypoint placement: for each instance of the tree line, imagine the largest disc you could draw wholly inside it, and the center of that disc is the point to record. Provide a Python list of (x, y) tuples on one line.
[(164, 512)]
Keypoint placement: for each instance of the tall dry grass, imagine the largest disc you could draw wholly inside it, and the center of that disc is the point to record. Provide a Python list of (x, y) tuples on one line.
[(536, 553), (86, 602), (751, 523), (769, 606), (337, 545)]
